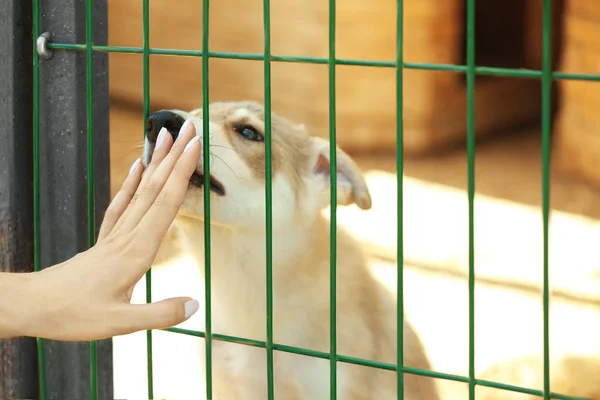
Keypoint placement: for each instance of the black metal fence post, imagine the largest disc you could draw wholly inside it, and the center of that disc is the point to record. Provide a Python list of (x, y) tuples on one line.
[(63, 180), (18, 360)]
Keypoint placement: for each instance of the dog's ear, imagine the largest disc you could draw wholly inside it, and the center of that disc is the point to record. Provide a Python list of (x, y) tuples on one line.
[(351, 186)]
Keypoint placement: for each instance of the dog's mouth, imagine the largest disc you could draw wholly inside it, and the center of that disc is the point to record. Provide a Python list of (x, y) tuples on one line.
[(217, 187)]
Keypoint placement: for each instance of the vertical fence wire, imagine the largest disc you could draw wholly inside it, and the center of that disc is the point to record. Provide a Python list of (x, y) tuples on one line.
[(333, 200), (89, 74), (146, 88), (36, 185), (206, 168), (546, 132), (268, 197), (400, 195), (471, 185)]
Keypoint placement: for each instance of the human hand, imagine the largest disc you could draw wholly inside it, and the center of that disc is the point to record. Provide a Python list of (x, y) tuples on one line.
[(89, 296)]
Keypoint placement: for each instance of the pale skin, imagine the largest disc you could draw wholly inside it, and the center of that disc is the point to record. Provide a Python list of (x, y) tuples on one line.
[(88, 297)]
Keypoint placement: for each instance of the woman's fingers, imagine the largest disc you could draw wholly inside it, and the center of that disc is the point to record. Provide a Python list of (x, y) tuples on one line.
[(164, 143), (156, 182), (159, 218), (121, 201), (153, 227)]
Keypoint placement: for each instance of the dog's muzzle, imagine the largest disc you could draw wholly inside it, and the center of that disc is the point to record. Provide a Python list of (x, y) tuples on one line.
[(163, 119), (173, 123)]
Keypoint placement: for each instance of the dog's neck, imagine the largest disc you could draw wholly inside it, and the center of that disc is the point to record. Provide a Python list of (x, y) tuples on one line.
[(238, 268)]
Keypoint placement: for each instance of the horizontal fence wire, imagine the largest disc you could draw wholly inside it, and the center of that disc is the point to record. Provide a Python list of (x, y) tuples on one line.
[(369, 363), (471, 70), (479, 70)]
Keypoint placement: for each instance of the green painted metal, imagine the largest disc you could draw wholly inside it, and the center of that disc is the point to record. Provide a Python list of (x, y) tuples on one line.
[(370, 363), (333, 210), (546, 132), (36, 185), (471, 185), (268, 198), (479, 70), (400, 196), (89, 56), (206, 165), (471, 70), (146, 84)]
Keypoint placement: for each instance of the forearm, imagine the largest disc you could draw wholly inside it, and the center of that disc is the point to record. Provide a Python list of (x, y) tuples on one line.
[(17, 304)]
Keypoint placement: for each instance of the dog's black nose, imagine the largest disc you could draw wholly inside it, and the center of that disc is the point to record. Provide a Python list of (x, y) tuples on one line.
[(167, 119)]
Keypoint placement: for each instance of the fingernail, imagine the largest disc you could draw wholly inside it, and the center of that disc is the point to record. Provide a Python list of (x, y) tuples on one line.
[(184, 128), (135, 165), (191, 307), (190, 144), (161, 137)]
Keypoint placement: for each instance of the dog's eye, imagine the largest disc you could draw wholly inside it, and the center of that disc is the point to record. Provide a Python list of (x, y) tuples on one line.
[(248, 132)]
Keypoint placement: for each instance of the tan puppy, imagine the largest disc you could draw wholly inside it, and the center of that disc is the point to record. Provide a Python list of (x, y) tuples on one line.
[(366, 313)]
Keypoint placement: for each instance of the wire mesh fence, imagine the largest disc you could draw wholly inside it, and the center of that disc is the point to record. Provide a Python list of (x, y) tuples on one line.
[(470, 69)]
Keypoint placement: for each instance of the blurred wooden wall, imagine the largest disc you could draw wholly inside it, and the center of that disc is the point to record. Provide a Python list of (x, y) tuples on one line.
[(577, 128), (434, 102)]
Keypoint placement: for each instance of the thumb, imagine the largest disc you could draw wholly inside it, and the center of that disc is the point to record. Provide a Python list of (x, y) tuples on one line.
[(159, 315)]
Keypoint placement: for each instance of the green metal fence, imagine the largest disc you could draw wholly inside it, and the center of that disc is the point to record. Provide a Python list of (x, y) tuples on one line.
[(546, 75)]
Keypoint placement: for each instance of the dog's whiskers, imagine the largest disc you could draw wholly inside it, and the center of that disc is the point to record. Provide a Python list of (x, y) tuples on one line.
[(227, 165), (223, 147)]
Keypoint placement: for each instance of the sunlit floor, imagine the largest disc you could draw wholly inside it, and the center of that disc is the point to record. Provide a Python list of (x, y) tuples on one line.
[(508, 263)]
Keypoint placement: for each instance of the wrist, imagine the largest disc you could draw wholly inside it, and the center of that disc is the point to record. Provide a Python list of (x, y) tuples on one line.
[(18, 304)]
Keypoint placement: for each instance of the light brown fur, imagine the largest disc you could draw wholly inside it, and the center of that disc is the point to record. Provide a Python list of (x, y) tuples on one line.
[(573, 375), (366, 313)]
